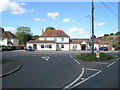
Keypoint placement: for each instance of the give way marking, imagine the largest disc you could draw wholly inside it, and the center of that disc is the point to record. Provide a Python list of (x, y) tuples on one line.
[(45, 58)]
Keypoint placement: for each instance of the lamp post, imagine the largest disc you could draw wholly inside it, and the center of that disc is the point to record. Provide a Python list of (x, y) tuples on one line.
[(92, 26), (90, 32)]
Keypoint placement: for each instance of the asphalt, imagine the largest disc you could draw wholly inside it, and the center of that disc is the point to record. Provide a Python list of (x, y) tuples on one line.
[(36, 72), (108, 78), (58, 71), (9, 67)]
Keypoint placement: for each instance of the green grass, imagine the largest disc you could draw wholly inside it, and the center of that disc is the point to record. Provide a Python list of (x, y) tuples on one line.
[(92, 57)]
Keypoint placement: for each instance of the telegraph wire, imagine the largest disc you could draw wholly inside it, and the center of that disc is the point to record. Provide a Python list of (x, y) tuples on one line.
[(108, 8)]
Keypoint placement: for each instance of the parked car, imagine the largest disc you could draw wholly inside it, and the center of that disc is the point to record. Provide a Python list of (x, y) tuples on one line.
[(3, 48), (30, 49), (103, 48)]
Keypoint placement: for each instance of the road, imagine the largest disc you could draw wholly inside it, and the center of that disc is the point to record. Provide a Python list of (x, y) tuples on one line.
[(59, 70)]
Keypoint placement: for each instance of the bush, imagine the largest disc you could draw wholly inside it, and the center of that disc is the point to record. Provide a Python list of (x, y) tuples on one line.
[(92, 57)]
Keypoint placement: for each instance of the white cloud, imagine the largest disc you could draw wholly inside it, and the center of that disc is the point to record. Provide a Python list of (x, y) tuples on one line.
[(75, 30), (23, 3), (53, 15), (32, 10), (13, 7), (100, 35), (39, 19), (12, 29), (100, 24), (68, 20), (9, 28), (72, 21)]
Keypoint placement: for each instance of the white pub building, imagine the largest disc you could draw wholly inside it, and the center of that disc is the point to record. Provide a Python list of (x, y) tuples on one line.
[(58, 40)]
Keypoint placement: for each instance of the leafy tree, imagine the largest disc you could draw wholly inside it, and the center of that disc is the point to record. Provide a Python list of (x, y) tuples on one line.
[(112, 34), (105, 35), (24, 35), (116, 45), (49, 28), (35, 37), (118, 33)]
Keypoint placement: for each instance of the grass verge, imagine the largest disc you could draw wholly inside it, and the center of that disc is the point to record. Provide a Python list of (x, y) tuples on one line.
[(92, 57)]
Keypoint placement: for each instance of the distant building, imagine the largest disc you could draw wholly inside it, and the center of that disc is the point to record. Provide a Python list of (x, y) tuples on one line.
[(58, 40), (7, 38)]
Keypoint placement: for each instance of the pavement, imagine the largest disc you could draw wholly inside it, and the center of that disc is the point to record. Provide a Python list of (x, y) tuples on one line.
[(9, 67)]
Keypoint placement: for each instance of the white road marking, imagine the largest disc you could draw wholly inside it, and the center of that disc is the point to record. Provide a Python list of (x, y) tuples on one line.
[(71, 56), (77, 61), (100, 62), (110, 64), (118, 59), (74, 80), (86, 79), (82, 78), (45, 58), (92, 69)]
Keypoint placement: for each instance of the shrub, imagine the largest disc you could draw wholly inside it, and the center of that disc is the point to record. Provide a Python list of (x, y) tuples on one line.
[(92, 57)]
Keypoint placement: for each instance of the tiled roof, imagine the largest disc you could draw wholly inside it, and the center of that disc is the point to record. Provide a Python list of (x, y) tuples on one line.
[(78, 40), (40, 41), (54, 33), (7, 34)]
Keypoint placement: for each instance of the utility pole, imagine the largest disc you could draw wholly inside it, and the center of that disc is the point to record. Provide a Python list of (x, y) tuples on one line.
[(92, 26)]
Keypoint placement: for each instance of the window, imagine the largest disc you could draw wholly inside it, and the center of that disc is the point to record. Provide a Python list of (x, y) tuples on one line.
[(62, 46), (45, 38), (2, 39), (42, 46), (55, 39), (46, 46), (62, 39), (50, 46), (75, 46)]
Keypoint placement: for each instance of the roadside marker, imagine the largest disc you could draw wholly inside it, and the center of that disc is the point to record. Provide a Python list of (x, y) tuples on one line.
[(110, 64)]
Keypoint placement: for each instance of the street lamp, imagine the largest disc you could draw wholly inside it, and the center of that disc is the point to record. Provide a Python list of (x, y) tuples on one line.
[(90, 32)]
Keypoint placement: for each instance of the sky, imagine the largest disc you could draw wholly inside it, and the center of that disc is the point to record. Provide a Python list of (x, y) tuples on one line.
[(71, 17)]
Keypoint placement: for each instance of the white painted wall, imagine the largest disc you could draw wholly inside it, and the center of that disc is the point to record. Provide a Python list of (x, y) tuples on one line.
[(3, 42), (57, 39), (39, 46), (78, 46), (53, 46), (13, 40), (66, 47)]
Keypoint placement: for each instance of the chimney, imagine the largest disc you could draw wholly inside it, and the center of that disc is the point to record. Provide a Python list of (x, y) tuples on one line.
[(1, 30)]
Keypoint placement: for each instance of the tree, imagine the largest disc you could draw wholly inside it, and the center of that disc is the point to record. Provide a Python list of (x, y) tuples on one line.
[(35, 37), (49, 28), (118, 33), (105, 35), (24, 35), (112, 34)]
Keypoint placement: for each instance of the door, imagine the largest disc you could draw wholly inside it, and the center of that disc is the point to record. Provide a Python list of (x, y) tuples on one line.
[(35, 46), (83, 47)]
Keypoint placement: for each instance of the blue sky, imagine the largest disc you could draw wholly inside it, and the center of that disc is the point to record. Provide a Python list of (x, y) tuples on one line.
[(67, 16)]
